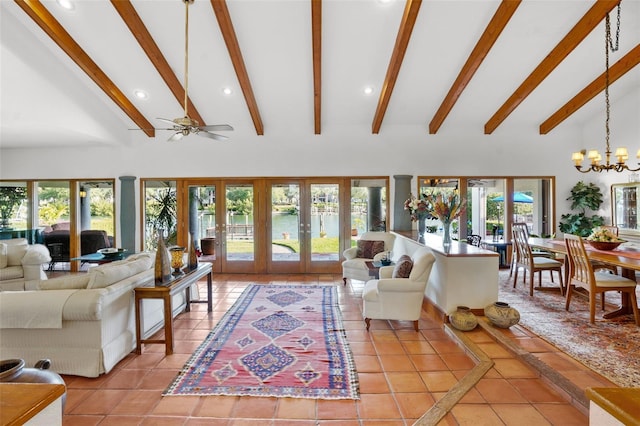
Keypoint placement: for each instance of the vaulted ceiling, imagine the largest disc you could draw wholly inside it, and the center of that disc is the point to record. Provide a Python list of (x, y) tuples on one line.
[(69, 77)]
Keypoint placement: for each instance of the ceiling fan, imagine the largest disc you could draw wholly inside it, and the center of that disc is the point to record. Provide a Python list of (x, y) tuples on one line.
[(184, 126)]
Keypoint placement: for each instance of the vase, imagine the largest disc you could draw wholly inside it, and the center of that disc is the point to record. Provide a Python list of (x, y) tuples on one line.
[(501, 315), (163, 261), (463, 319), (177, 260), (193, 254), (422, 228), (446, 236), (14, 371)]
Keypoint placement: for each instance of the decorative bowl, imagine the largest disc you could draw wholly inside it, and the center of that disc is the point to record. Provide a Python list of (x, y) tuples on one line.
[(112, 252), (604, 245)]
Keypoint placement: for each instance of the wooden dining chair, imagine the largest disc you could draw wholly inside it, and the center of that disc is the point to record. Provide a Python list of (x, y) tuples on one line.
[(530, 263), (582, 274), (536, 252), (602, 265)]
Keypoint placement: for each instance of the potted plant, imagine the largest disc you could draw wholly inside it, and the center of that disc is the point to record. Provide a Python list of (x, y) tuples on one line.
[(583, 197), (10, 197)]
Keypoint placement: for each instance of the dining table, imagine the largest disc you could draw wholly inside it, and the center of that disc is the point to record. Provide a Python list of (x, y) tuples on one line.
[(626, 257)]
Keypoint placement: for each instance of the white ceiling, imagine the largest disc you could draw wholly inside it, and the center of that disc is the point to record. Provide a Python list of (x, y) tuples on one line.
[(47, 100)]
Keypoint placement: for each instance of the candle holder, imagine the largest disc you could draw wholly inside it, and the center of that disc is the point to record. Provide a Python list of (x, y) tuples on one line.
[(177, 261)]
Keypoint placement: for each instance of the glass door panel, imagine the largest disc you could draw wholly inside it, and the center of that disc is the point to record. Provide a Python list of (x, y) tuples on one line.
[(324, 224), (97, 215), (160, 212), (239, 226), (286, 240), (202, 222)]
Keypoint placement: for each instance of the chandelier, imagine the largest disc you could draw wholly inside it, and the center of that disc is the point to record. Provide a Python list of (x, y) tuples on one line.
[(621, 153)]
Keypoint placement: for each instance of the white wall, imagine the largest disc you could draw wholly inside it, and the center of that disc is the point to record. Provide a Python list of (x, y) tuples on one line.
[(510, 151)]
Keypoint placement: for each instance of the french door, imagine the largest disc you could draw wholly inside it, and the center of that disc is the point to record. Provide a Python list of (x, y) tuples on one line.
[(265, 225), (305, 225)]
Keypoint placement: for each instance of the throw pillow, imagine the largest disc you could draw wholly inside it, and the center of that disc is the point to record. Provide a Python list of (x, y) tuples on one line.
[(105, 275), (69, 282), (3, 255), (403, 267), (369, 248), (16, 249)]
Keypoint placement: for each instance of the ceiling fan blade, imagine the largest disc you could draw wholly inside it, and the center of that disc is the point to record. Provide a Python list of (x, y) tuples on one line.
[(216, 127), (175, 137), (167, 121), (212, 135)]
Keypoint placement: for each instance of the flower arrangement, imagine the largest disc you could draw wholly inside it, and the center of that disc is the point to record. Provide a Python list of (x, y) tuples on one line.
[(603, 235), (446, 208), (418, 207)]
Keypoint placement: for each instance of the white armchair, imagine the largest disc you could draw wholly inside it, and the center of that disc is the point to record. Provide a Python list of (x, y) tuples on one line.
[(354, 267), (398, 298)]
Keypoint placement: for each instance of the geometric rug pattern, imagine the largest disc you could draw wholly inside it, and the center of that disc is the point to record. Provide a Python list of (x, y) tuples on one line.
[(276, 340), (610, 347)]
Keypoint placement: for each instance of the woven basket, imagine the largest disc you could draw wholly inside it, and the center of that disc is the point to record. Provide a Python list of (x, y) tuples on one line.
[(605, 245)]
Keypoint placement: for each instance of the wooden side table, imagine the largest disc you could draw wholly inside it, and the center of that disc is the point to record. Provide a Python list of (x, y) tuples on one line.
[(181, 283)]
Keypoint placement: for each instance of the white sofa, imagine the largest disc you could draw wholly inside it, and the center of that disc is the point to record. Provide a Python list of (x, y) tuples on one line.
[(21, 263), (84, 323), (399, 299), (354, 267)]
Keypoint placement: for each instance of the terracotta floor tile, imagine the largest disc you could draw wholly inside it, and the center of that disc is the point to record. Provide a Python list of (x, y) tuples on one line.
[(458, 361), (296, 408), (82, 420), (174, 361), (159, 378), (163, 421), (473, 397), (562, 414), (378, 406), (396, 363), (373, 383), (362, 348), (513, 368), (261, 408), (406, 381), (475, 415), (534, 344), (389, 348), (446, 347), (138, 403), (409, 335), (494, 350), (498, 391), (414, 405), (215, 406), (75, 397), (336, 409), (418, 347), (125, 379), (367, 363), (519, 414), (438, 381), (428, 362), (175, 406), (114, 420), (560, 362), (535, 390), (206, 421), (99, 402)]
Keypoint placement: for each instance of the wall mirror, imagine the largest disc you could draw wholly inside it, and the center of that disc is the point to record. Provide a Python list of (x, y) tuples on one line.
[(624, 207)]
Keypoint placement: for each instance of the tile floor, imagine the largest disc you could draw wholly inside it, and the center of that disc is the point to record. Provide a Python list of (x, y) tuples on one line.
[(402, 374)]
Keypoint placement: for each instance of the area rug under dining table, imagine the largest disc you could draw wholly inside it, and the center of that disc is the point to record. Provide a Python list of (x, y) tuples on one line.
[(276, 340)]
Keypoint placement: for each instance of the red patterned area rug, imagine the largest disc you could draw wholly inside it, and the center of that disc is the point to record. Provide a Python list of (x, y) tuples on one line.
[(610, 347), (276, 340)]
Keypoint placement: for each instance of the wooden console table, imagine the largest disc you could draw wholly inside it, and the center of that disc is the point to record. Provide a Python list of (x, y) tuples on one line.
[(181, 283)]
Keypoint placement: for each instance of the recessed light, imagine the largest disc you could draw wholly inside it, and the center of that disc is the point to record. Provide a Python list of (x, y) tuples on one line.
[(227, 90), (141, 94), (66, 4), (368, 90)]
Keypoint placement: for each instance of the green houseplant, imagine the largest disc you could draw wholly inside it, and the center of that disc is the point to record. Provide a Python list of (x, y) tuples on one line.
[(583, 197), (10, 197)]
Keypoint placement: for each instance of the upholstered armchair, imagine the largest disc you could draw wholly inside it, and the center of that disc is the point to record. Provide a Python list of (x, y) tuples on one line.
[(392, 297), (354, 266)]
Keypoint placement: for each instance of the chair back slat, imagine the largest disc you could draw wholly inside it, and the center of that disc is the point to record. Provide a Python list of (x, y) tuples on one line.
[(580, 267), (521, 241)]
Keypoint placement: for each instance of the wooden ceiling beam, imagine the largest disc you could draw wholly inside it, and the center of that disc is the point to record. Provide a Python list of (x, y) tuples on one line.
[(230, 39), (499, 21), (130, 17), (411, 9), (585, 25), (617, 70), (62, 38), (316, 34)]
